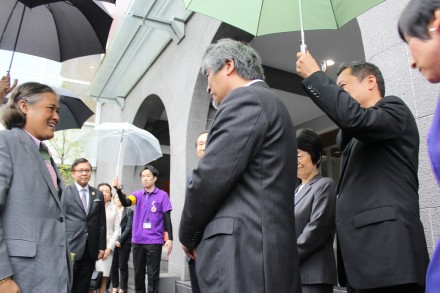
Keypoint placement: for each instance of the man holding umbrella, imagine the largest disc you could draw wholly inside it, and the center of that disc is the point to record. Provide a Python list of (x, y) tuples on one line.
[(380, 235)]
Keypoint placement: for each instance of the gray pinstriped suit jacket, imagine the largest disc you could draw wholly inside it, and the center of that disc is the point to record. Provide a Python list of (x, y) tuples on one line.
[(315, 206), (33, 244), (238, 210)]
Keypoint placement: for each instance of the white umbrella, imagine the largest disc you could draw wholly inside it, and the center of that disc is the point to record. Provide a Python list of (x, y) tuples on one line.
[(126, 144)]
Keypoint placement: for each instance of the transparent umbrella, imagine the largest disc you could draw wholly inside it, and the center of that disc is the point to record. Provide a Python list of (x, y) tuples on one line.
[(125, 144)]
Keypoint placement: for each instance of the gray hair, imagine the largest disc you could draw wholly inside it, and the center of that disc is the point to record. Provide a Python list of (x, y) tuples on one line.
[(246, 59), (12, 115)]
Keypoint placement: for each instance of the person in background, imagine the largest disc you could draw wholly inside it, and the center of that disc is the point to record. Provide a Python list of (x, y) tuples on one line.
[(34, 254), (201, 144), (238, 220), (119, 269), (419, 27), (200, 151), (152, 216), (6, 88), (380, 236), (315, 202), (103, 265), (85, 224)]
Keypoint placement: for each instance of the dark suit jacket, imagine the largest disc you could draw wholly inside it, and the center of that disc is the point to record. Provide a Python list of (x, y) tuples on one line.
[(33, 242), (126, 225), (82, 227), (378, 225), (315, 230), (238, 207)]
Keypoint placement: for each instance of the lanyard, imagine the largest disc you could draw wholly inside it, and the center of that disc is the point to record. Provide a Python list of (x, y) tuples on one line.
[(149, 195)]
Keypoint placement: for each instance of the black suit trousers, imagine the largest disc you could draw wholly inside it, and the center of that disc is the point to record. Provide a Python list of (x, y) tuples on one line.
[(193, 276), (119, 269), (82, 272), (146, 256), (405, 288)]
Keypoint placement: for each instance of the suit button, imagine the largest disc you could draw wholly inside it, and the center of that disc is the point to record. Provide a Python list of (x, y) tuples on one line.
[(309, 87), (61, 219), (337, 196)]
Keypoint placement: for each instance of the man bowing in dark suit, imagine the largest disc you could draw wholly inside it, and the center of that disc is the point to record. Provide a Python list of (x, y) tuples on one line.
[(238, 218), (85, 224), (381, 237)]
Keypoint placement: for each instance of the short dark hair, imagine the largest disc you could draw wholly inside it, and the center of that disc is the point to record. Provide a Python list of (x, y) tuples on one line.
[(79, 161), (105, 184), (152, 169), (361, 69), (30, 91), (415, 18), (311, 143)]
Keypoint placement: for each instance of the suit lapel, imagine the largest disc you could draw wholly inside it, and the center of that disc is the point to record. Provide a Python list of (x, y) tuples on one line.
[(29, 146), (92, 197), (124, 214), (77, 197), (302, 193), (306, 188), (346, 157)]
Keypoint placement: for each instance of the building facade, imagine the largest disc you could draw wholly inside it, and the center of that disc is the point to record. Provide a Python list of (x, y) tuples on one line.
[(151, 77)]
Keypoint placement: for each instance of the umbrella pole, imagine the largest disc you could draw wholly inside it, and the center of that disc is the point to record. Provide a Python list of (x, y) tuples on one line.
[(16, 39), (119, 153), (303, 41)]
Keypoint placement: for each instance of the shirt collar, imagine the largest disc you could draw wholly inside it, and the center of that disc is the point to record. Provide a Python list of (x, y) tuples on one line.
[(79, 187), (34, 139), (154, 191), (253, 81)]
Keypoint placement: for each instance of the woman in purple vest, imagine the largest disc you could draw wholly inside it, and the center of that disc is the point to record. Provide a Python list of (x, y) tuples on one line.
[(419, 27)]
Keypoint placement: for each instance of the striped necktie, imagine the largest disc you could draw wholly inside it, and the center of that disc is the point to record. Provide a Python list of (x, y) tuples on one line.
[(83, 196), (44, 153)]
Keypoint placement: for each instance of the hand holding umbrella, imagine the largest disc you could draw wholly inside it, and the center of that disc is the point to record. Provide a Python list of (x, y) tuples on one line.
[(5, 86), (306, 65)]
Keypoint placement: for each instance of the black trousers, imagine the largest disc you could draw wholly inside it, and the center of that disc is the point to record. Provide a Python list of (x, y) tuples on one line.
[(193, 276), (82, 272), (119, 269), (317, 288), (146, 255), (405, 288)]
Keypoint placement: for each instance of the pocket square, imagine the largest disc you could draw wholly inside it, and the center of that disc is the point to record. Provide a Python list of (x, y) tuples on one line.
[(97, 199)]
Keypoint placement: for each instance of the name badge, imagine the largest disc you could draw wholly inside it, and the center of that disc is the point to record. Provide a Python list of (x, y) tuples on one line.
[(147, 226)]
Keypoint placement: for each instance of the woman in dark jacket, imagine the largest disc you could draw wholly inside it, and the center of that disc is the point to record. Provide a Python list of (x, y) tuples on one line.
[(119, 269), (315, 201)]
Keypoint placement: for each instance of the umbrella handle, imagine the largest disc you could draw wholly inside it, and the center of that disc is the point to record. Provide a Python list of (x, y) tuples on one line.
[(303, 48)]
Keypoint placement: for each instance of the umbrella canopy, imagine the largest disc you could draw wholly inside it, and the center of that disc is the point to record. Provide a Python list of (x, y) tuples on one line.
[(56, 30), (73, 111), (262, 17), (126, 144)]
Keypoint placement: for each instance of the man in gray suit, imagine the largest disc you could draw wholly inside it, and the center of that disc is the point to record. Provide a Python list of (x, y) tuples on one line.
[(239, 211), (34, 256), (85, 224)]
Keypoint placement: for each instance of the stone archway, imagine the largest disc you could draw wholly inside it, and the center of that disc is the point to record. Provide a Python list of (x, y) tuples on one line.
[(151, 116)]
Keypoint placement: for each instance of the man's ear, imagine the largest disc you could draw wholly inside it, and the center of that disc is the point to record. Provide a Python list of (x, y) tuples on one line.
[(371, 81), (230, 66)]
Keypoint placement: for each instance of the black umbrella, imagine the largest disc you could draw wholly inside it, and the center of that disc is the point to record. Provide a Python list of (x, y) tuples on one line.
[(56, 30), (73, 111)]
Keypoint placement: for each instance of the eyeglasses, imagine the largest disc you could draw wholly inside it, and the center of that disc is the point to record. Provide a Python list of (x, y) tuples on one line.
[(83, 171)]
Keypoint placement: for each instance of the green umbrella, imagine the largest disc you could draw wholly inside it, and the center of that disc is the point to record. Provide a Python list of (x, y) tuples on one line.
[(263, 17)]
